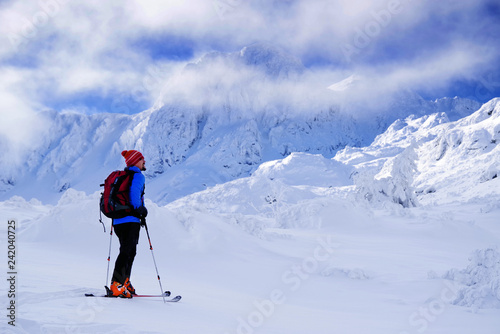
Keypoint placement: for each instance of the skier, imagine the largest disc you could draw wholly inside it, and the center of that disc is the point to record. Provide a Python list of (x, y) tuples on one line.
[(127, 228)]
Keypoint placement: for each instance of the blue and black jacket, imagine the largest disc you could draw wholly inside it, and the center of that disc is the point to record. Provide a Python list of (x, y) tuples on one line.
[(136, 195)]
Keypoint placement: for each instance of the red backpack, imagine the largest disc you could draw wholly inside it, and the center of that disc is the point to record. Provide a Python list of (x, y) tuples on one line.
[(115, 200)]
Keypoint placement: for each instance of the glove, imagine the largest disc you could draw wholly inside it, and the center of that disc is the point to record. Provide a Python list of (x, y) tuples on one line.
[(141, 212)]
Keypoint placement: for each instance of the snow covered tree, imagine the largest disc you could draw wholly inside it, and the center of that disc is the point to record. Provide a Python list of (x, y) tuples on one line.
[(394, 181), (398, 183)]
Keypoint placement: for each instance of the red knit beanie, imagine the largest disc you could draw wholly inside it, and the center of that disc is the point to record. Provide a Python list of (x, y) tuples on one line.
[(132, 157)]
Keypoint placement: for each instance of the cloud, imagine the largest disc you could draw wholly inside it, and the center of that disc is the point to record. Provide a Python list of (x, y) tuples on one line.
[(67, 51), (430, 72), (21, 126)]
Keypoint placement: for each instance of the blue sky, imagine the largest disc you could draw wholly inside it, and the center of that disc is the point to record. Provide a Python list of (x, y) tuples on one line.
[(113, 56)]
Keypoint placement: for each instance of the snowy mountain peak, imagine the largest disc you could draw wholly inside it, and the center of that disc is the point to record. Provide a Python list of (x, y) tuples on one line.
[(273, 60), (488, 111), (345, 84)]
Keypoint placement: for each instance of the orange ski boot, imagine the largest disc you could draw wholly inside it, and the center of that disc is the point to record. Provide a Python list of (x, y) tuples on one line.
[(120, 290)]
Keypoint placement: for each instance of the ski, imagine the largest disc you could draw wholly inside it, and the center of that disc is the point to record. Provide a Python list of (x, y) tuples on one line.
[(165, 294)]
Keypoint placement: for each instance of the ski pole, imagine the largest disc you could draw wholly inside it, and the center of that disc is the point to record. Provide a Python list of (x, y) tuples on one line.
[(109, 257), (143, 221)]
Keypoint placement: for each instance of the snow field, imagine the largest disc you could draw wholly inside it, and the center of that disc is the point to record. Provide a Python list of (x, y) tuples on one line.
[(356, 270)]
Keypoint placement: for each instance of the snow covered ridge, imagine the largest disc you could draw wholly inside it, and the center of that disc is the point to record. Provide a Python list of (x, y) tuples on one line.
[(430, 159), (186, 148), (470, 147), (404, 166)]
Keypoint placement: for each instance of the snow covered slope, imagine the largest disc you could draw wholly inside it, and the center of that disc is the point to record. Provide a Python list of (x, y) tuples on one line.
[(305, 244), (217, 120), (432, 159)]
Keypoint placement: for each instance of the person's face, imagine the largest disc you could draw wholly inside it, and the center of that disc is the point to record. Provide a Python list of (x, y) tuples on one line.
[(141, 164)]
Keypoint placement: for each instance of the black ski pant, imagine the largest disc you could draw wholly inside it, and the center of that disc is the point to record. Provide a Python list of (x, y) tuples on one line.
[(128, 234)]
